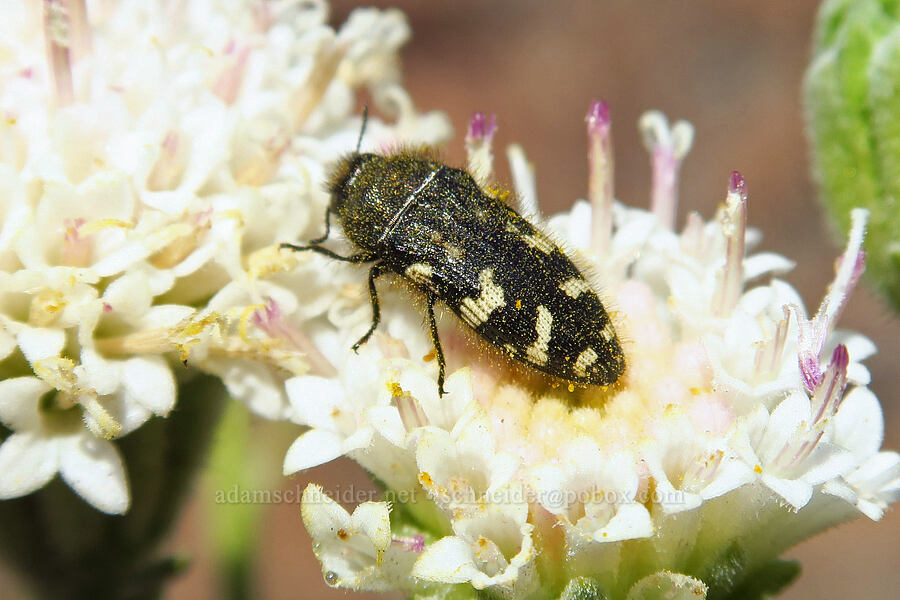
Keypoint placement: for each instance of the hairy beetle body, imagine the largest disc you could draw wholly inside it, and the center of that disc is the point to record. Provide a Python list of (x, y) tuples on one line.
[(432, 224)]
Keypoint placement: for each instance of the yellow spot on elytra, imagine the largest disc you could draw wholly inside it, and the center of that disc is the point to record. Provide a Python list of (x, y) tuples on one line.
[(539, 242), (420, 273), (584, 360), (476, 311), (574, 287), (537, 352)]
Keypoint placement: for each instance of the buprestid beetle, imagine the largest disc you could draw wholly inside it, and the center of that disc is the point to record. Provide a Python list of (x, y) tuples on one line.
[(432, 224)]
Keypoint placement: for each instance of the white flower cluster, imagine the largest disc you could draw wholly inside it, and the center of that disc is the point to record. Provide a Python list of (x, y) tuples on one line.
[(742, 426), (152, 157)]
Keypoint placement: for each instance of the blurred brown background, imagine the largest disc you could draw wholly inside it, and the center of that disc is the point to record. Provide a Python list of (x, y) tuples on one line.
[(734, 70)]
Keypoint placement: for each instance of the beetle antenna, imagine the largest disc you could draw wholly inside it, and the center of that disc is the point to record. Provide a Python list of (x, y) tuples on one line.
[(362, 129)]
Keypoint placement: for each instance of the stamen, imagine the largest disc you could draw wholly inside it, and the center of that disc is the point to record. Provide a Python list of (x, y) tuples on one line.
[(79, 28), (479, 141), (850, 266), (667, 147), (830, 391), (262, 166), (57, 36), (309, 95), (693, 237), (234, 63), (813, 332), (104, 425), (76, 248), (270, 320), (769, 353), (523, 179), (734, 226), (411, 414), (411, 543), (167, 170), (600, 178)]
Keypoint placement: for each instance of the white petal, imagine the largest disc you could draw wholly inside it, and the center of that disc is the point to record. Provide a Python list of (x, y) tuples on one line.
[(129, 294), (631, 521), (878, 476), (99, 373), (41, 342), (93, 468), (7, 344), (313, 448), (371, 518), (322, 516), (765, 263), (790, 414), (454, 403), (503, 466), (858, 374), (19, 398), (387, 422), (164, 315), (839, 488), (547, 481), (859, 423), (873, 510), (121, 259), (252, 383), (149, 381), (314, 400), (826, 462), (473, 434), (358, 440), (797, 493), (859, 347), (448, 560), (730, 475), (27, 462)]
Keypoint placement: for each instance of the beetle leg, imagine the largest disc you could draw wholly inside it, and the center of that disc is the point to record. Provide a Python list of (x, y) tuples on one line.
[(437, 343), (321, 239), (374, 272), (353, 258)]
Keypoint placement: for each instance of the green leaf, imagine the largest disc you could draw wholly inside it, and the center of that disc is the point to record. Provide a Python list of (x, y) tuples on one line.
[(766, 581), (852, 112)]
